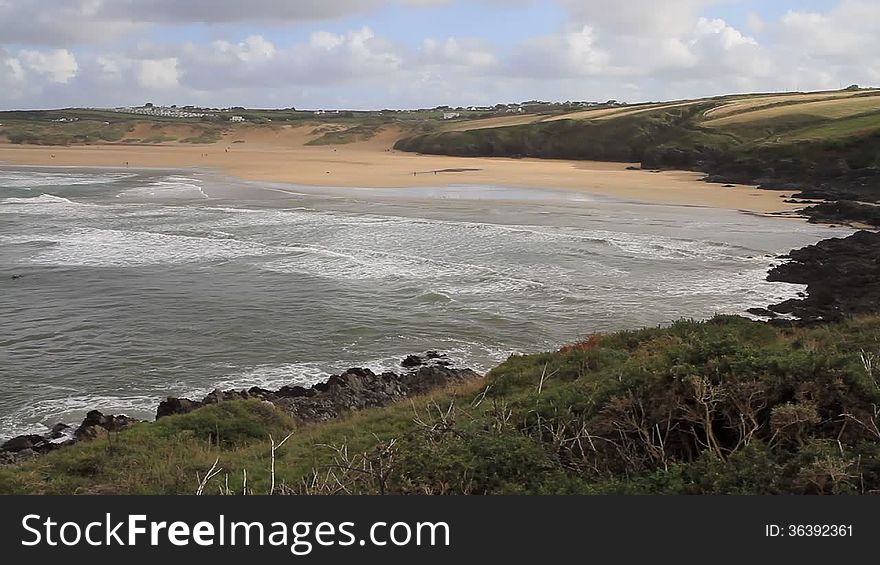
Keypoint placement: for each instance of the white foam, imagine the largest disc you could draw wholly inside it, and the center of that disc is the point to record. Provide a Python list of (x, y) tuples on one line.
[(28, 180), (41, 199), (48, 204), (122, 248), (40, 415), (172, 186), (364, 264)]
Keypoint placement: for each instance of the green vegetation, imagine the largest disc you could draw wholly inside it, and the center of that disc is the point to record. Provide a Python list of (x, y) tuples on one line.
[(83, 127), (207, 136), (722, 406), (341, 136), (828, 143), (64, 134)]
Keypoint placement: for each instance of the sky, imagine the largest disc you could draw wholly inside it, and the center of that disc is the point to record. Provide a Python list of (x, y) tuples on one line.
[(374, 54)]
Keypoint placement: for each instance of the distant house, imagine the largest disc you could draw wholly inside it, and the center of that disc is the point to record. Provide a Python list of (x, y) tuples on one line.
[(451, 115), (236, 119)]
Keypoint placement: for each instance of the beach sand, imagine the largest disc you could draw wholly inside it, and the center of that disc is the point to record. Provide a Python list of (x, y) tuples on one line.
[(280, 154)]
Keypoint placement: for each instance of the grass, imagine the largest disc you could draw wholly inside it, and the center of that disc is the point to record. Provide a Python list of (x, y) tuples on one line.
[(347, 135), (24, 132), (833, 109), (855, 126), (206, 137), (722, 406)]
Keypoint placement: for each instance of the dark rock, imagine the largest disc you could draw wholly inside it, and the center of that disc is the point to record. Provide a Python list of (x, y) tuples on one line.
[(57, 431), (261, 393), (172, 405), (763, 312), (293, 391), (842, 278), (20, 443), (434, 355), (215, 397), (96, 425), (357, 389), (844, 212), (412, 361)]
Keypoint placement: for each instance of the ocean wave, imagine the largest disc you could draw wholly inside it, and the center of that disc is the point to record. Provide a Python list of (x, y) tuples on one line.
[(167, 187), (29, 180), (50, 205), (123, 248), (365, 264), (39, 416), (36, 200)]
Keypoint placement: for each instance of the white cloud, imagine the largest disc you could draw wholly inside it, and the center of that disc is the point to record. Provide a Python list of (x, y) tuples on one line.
[(158, 73), (467, 52), (326, 58), (637, 17), (755, 23), (326, 40), (571, 53), (254, 49), (58, 66), (634, 49)]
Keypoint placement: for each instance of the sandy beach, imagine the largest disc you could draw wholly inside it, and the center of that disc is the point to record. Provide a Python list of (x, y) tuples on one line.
[(280, 154)]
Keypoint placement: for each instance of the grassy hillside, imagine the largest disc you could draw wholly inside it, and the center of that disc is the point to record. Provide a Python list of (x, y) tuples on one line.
[(722, 406), (826, 143)]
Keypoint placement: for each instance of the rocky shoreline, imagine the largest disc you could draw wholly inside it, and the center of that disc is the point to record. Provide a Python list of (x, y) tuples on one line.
[(842, 277), (355, 389)]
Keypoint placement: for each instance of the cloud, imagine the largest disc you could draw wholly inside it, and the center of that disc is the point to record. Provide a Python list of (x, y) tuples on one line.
[(91, 52), (571, 53), (255, 62), (57, 66), (637, 17), (755, 23), (158, 73), (81, 22), (467, 52)]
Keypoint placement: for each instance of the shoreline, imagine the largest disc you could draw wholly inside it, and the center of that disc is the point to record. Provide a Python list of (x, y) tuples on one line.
[(374, 164), (242, 188)]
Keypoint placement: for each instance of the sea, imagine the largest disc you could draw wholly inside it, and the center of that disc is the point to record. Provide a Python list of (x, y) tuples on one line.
[(119, 287)]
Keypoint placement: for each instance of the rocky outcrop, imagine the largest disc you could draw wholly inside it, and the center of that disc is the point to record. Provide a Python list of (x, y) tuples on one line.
[(842, 278), (95, 425), (355, 389)]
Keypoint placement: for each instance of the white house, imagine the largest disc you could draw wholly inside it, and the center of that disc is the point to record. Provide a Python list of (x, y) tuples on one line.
[(236, 119), (451, 115)]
